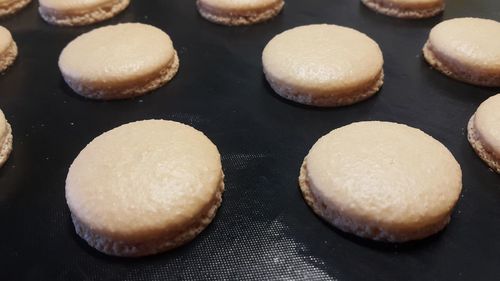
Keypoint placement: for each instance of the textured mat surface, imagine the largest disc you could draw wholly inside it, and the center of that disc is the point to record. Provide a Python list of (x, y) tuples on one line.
[(264, 230)]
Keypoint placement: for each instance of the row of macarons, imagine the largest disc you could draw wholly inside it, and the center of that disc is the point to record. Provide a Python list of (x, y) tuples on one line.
[(321, 64), (227, 12), (150, 186)]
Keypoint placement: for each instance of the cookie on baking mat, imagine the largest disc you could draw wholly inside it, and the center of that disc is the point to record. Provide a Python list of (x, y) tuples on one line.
[(383, 181), (5, 139), (410, 9), (323, 65), (9, 7), (144, 188), (239, 12), (119, 61), (484, 132), (8, 49), (466, 49), (78, 12)]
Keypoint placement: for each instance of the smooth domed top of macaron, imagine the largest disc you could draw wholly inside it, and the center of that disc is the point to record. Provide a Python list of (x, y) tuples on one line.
[(323, 58), (473, 42), (5, 39), (66, 5), (387, 172), (144, 178), (117, 54), (487, 123), (239, 4)]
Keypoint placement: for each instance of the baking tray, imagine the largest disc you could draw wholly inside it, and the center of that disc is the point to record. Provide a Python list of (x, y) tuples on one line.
[(264, 230)]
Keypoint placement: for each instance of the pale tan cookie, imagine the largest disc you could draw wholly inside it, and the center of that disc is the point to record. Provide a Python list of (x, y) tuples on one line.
[(484, 132), (323, 65), (466, 49), (9, 7), (119, 61), (239, 12), (144, 188), (8, 49), (5, 139), (383, 181), (80, 12), (409, 9)]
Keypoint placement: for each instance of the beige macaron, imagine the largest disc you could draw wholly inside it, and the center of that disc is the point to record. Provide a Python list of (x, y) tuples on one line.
[(484, 132), (144, 188), (80, 12), (5, 139), (466, 49), (119, 61), (8, 49), (239, 12), (410, 9), (323, 65), (9, 7), (383, 181)]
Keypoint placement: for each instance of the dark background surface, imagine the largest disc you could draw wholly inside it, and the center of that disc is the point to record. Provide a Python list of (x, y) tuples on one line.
[(264, 230)]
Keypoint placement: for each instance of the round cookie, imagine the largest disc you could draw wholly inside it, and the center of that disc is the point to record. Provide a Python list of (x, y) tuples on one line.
[(409, 9), (8, 49), (5, 139), (119, 61), (78, 12), (323, 65), (484, 132), (239, 12), (144, 188), (9, 7), (466, 49), (383, 181)]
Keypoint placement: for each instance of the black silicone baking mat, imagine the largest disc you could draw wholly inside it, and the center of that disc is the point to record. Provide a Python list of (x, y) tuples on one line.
[(264, 230)]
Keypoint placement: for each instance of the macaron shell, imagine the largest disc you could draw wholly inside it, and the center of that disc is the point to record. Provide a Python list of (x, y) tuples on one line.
[(3, 127), (5, 139), (239, 12), (471, 42), (406, 9), (79, 13), (389, 174), (487, 124), (8, 49), (239, 5), (8, 7), (322, 58), (479, 146), (422, 4), (5, 39), (143, 180), (73, 5), (117, 54)]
